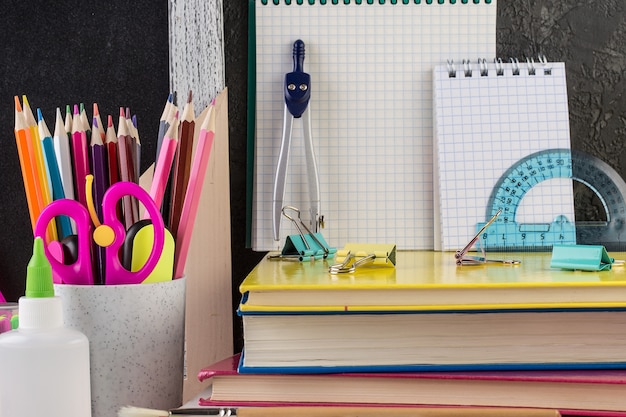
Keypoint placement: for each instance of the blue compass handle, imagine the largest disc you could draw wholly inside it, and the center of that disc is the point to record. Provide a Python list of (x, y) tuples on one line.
[(298, 56), (297, 83)]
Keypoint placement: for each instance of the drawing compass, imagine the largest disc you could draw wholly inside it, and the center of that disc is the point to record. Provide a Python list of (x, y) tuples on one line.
[(297, 93)]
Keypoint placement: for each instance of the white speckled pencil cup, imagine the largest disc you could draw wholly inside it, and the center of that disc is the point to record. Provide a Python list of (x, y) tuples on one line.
[(136, 342)]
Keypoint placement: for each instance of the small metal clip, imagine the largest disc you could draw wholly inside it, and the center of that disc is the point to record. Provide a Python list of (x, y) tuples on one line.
[(281, 257), (351, 263), (336, 268), (299, 225), (461, 255)]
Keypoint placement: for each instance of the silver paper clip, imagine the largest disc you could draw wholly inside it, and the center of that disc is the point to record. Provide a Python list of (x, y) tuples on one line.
[(351, 263), (463, 259)]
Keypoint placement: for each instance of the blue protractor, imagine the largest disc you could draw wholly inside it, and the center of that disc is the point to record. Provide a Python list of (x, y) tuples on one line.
[(507, 234)]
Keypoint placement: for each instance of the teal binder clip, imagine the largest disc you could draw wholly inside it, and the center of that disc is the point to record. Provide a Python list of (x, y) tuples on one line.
[(311, 246), (581, 257)]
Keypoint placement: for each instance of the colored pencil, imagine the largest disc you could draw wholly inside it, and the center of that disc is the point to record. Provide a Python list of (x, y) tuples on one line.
[(125, 166), (163, 125), (182, 164), (194, 190), (137, 148), (64, 227), (34, 196), (40, 162), (164, 163), (42, 169), (167, 195), (96, 114), (112, 159), (131, 142), (84, 119), (61, 143), (68, 121), (111, 145), (80, 156), (99, 167)]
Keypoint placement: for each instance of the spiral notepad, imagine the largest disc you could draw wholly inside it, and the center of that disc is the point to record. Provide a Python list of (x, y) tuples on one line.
[(502, 126), (371, 66)]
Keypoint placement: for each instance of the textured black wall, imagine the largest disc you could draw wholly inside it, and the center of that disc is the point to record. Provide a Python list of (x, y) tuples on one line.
[(114, 53), (589, 37)]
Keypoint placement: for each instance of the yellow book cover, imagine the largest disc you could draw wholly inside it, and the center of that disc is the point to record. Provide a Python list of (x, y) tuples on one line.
[(427, 280)]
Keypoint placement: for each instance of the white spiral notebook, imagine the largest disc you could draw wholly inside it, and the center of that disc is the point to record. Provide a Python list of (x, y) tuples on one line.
[(502, 141), (370, 64)]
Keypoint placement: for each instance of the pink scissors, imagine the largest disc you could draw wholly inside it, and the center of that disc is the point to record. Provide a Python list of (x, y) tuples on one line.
[(110, 235)]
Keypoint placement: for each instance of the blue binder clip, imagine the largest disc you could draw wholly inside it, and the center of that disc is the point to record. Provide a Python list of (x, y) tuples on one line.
[(581, 257), (303, 246)]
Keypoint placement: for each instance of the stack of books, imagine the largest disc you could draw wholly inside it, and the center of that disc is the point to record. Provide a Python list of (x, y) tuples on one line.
[(430, 333)]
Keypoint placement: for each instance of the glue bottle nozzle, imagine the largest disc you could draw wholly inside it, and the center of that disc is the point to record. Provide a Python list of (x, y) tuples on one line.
[(39, 282)]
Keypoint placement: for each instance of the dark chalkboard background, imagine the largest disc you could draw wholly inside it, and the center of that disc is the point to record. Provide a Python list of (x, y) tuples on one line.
[(116, 53)]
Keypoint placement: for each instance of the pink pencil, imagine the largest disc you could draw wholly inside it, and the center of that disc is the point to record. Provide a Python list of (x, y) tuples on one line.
[(81, 158), (164, 164), (194, 189)]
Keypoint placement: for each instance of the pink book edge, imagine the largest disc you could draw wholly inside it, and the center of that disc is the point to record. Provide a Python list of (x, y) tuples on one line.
[(228, 367)]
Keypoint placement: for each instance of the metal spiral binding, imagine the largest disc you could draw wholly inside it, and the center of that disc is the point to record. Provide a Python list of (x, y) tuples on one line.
[(499, 67)]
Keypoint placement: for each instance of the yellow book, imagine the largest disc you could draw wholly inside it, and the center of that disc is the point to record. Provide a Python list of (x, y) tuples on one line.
[(426, 280), (427, 313)]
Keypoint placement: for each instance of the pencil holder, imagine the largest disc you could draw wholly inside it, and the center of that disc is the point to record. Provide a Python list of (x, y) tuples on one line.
[(136, 342)]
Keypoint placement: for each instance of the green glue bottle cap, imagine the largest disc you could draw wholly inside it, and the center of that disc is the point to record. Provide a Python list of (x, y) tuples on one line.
[(39, 282), (39, 308)]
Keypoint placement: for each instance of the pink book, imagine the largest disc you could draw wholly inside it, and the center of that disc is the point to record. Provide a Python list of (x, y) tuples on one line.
[(573, 392)]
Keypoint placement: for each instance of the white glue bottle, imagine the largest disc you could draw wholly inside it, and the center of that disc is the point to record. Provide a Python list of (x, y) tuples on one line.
[(44, 366)]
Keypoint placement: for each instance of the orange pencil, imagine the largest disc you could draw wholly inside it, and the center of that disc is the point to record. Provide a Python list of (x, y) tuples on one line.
[(40, 161), (23, 140)]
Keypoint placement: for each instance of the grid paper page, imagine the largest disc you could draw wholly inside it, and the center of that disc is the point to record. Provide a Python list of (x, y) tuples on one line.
[(483, 126), (371, 109)]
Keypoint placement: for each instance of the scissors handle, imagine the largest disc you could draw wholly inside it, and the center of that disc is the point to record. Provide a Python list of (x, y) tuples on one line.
[(115, 272), (81, 271)]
